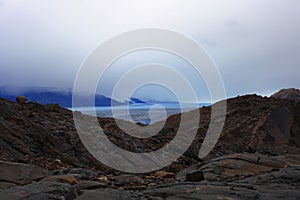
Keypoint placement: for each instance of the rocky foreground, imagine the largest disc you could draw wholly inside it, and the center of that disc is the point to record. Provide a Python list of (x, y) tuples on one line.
[(256, 157)]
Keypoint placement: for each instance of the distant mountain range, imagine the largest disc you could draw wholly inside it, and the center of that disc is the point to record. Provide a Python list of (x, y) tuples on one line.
[(135, 100), (63, 97)]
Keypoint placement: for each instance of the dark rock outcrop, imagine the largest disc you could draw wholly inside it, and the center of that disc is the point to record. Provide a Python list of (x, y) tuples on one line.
[(257, 124), (42, 135), (291, 93)]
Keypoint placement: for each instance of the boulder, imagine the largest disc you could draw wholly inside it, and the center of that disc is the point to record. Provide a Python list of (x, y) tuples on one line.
[(21, 99), (195, 176)]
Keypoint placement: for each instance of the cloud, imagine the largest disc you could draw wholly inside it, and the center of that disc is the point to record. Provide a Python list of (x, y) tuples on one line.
[(254, 43)]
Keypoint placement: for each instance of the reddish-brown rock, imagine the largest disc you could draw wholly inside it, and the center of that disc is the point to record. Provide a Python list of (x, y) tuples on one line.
[(21, 99)]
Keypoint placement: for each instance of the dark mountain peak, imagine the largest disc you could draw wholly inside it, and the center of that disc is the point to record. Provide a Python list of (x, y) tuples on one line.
[(136, 100), (290, 93), (49, 95)]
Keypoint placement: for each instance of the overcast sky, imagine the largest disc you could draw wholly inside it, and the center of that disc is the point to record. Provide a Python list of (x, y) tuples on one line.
[(255, 43)]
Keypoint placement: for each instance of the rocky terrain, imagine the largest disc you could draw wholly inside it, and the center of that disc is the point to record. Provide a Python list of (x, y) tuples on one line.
[(256, 157), (291, 93)]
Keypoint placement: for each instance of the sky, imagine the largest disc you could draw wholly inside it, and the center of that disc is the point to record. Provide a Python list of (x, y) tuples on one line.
[(254, 43)]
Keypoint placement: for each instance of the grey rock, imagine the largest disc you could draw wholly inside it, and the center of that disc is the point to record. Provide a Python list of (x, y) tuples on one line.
[(126, 179), (89, 185), (202, 191), (40, 191), (19, 173), (4, 184), (86, 172), (236, 167), (107, 194), (78, 173), (282, 184)]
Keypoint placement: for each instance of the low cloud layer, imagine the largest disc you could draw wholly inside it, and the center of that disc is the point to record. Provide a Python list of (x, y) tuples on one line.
[(254, 43)]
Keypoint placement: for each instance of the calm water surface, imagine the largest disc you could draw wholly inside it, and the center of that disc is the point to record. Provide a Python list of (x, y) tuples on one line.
[(144, 113)]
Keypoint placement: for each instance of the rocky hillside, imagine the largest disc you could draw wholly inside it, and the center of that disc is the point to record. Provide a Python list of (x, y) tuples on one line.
[(290, 93), (259, 124), (259, 150), (34, 133)]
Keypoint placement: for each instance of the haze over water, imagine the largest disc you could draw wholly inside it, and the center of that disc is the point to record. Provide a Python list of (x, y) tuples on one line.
[(144, 113)]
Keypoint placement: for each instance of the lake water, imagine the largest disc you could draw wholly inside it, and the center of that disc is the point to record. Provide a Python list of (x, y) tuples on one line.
[(141, 112)]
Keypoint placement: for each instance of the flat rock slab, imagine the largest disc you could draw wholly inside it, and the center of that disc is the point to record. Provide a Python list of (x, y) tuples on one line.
[(108, 194), (40, 191), (126, 179), (89, 185), (61, 178), (19, 173), (236, 167), (202, 191)]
